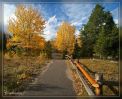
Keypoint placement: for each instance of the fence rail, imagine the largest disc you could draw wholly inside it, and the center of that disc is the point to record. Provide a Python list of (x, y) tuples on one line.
[(85, 78)]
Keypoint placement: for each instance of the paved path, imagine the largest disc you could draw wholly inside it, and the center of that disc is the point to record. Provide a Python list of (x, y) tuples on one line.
[(55, 81)]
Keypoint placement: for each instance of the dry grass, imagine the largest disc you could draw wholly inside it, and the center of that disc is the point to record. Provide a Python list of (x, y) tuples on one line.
[(19, 71), (110, 71), (77, 84), (104, 66)]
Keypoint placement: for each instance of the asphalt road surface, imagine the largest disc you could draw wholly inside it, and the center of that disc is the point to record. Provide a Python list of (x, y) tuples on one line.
[(55, 81)]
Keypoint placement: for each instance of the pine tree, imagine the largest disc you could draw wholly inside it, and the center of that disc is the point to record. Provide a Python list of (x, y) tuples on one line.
[(107, 43), (77, 50), (91, 30), (100, 35), (99, 48), (48, 49)]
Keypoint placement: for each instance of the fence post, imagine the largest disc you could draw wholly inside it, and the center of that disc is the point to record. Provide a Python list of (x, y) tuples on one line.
[(99, 79)]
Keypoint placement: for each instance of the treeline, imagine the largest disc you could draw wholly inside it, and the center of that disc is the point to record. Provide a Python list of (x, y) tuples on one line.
[(99, 37)]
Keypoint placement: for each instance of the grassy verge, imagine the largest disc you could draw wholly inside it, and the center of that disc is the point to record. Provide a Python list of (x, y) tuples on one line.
[(77, 84), (19, 71), (104, 66)]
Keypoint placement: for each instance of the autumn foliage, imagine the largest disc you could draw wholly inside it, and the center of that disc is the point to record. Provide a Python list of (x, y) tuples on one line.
[(26, 27), (65, 39)]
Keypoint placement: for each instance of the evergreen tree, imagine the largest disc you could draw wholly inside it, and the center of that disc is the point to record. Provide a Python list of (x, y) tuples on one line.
[(107, 43), (100, 35), (99, 48), (48, 49), (91, 30), (77, 50)]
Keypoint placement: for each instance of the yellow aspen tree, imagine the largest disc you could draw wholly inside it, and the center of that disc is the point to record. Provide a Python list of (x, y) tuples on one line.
[(65, 39), (27, 21), (38, 42)]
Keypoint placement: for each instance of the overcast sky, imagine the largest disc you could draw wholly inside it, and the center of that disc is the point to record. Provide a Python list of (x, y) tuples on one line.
[(54, 13)]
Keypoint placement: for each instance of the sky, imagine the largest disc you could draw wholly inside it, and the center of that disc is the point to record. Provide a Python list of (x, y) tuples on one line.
[(76, 14)]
